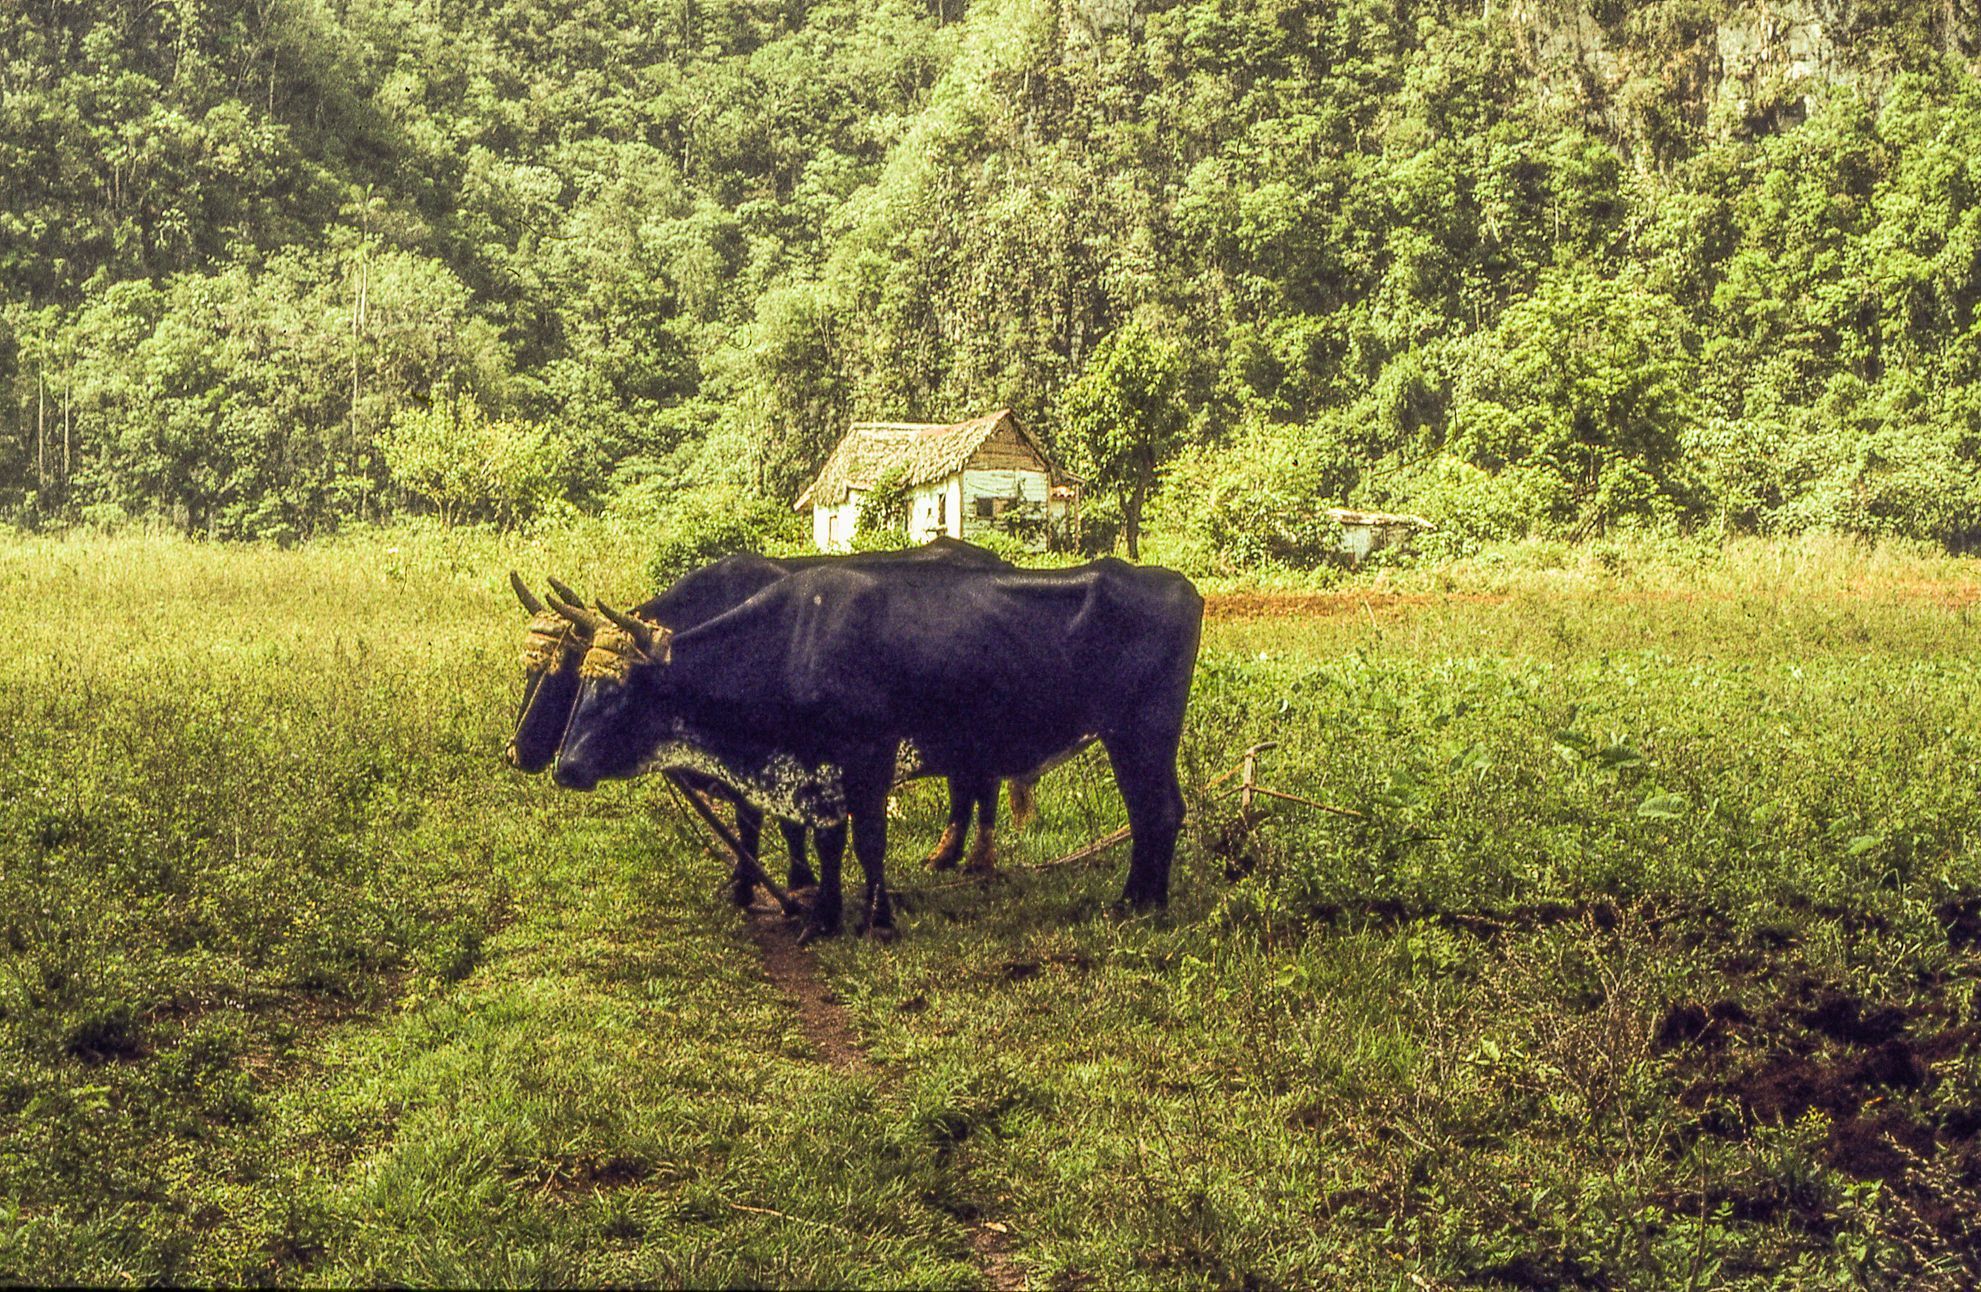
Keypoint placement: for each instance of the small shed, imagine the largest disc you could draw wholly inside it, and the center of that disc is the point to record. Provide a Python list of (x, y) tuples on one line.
[(1366, 532), (963, 479)]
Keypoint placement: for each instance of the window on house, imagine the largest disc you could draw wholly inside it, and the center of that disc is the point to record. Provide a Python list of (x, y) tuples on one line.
[(986, 508), (942, 508)]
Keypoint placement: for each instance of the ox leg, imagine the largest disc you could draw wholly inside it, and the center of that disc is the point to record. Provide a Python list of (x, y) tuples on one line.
[(983, 855), (1154, 800), (1023, 806), (749, 832), (949, 848), (823, 922), (866, 798), (794, 842)]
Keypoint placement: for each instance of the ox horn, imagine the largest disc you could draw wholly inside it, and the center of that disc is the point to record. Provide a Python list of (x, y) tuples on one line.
[(578, 615), (641, 631), (570, 597), (523, 594)]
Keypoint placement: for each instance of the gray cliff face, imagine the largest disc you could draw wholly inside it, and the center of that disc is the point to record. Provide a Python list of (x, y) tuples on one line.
[(1649, 71)]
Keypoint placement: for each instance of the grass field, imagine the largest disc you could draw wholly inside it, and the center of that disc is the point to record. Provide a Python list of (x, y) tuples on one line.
[(1650, 958)]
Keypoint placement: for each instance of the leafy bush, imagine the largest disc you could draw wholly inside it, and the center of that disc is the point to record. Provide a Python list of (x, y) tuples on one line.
[(711, 524), (469, 466), (1470, 505), (1261, 497), (884, 508)]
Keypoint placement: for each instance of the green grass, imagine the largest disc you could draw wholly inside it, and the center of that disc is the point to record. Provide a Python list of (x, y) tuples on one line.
[(298, 984)]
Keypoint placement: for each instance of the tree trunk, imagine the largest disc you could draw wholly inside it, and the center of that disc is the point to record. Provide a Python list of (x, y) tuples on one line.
[(40, 432), (1131, 517), (68, 405)]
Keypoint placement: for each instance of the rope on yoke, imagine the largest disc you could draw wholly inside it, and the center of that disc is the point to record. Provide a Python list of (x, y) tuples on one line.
[(546, 642)]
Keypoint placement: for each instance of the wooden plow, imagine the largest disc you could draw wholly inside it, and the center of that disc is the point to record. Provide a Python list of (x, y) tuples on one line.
[(727, 838), (1248, 791)]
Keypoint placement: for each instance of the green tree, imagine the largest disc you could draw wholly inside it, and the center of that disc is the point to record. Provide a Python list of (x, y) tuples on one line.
[(238, 238), (1124, 416), (884, 508), (1588, 380)]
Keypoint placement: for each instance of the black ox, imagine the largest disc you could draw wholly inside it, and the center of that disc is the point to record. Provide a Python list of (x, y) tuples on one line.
[(558, 638), (803, 694)]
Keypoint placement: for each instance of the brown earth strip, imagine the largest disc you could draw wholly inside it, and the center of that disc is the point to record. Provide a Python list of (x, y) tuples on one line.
[(827, 1023), (993, 1247), (1948, 596), (793, 970), (1784, 1042), (1240, 607), (1237, 607)]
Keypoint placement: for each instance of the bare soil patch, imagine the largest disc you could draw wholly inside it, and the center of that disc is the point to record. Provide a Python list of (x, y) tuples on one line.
[(1241, 607), (1237, 607), (1776, 1043), (992, 1244), (1950, 596), (1875, 1070), (793, 970)]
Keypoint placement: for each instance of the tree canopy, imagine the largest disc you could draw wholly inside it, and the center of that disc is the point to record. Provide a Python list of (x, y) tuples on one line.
[(1548, 268)]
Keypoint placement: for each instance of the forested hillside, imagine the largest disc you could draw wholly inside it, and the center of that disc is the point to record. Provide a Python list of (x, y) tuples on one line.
[(1524, 266)]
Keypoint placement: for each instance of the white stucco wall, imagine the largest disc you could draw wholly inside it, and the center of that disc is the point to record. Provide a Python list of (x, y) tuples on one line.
[(832, 527), (946, 506), (922, 511)]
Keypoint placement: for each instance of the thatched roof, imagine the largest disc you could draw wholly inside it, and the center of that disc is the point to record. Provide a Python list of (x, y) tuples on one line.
[(924, 451)]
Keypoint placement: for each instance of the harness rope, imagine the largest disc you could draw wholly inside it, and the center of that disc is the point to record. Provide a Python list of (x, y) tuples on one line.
[(615, 652), (546, 642)]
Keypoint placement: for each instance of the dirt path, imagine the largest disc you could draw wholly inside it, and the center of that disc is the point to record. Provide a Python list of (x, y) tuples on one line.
[(1237, 607), (992, 1245), (1242, 607), (795, 972), (828, 1024)]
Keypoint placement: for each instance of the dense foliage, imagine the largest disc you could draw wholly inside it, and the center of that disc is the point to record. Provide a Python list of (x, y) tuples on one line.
[(1538, 267)]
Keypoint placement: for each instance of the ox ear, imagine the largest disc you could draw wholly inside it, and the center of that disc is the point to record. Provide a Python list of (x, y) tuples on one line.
[(577, 615), (569, 597), (523, 594)]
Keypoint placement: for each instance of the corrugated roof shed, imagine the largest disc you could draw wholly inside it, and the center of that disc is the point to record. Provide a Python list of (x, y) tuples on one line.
[(925, 451), (1379, 519)]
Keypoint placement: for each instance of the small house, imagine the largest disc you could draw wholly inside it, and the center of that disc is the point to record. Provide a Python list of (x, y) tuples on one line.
[(963, 479), (1366, 532)]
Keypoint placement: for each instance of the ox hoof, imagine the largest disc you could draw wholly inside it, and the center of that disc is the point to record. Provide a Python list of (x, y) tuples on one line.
[(881, 932), (816, 932), (946, 851)]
